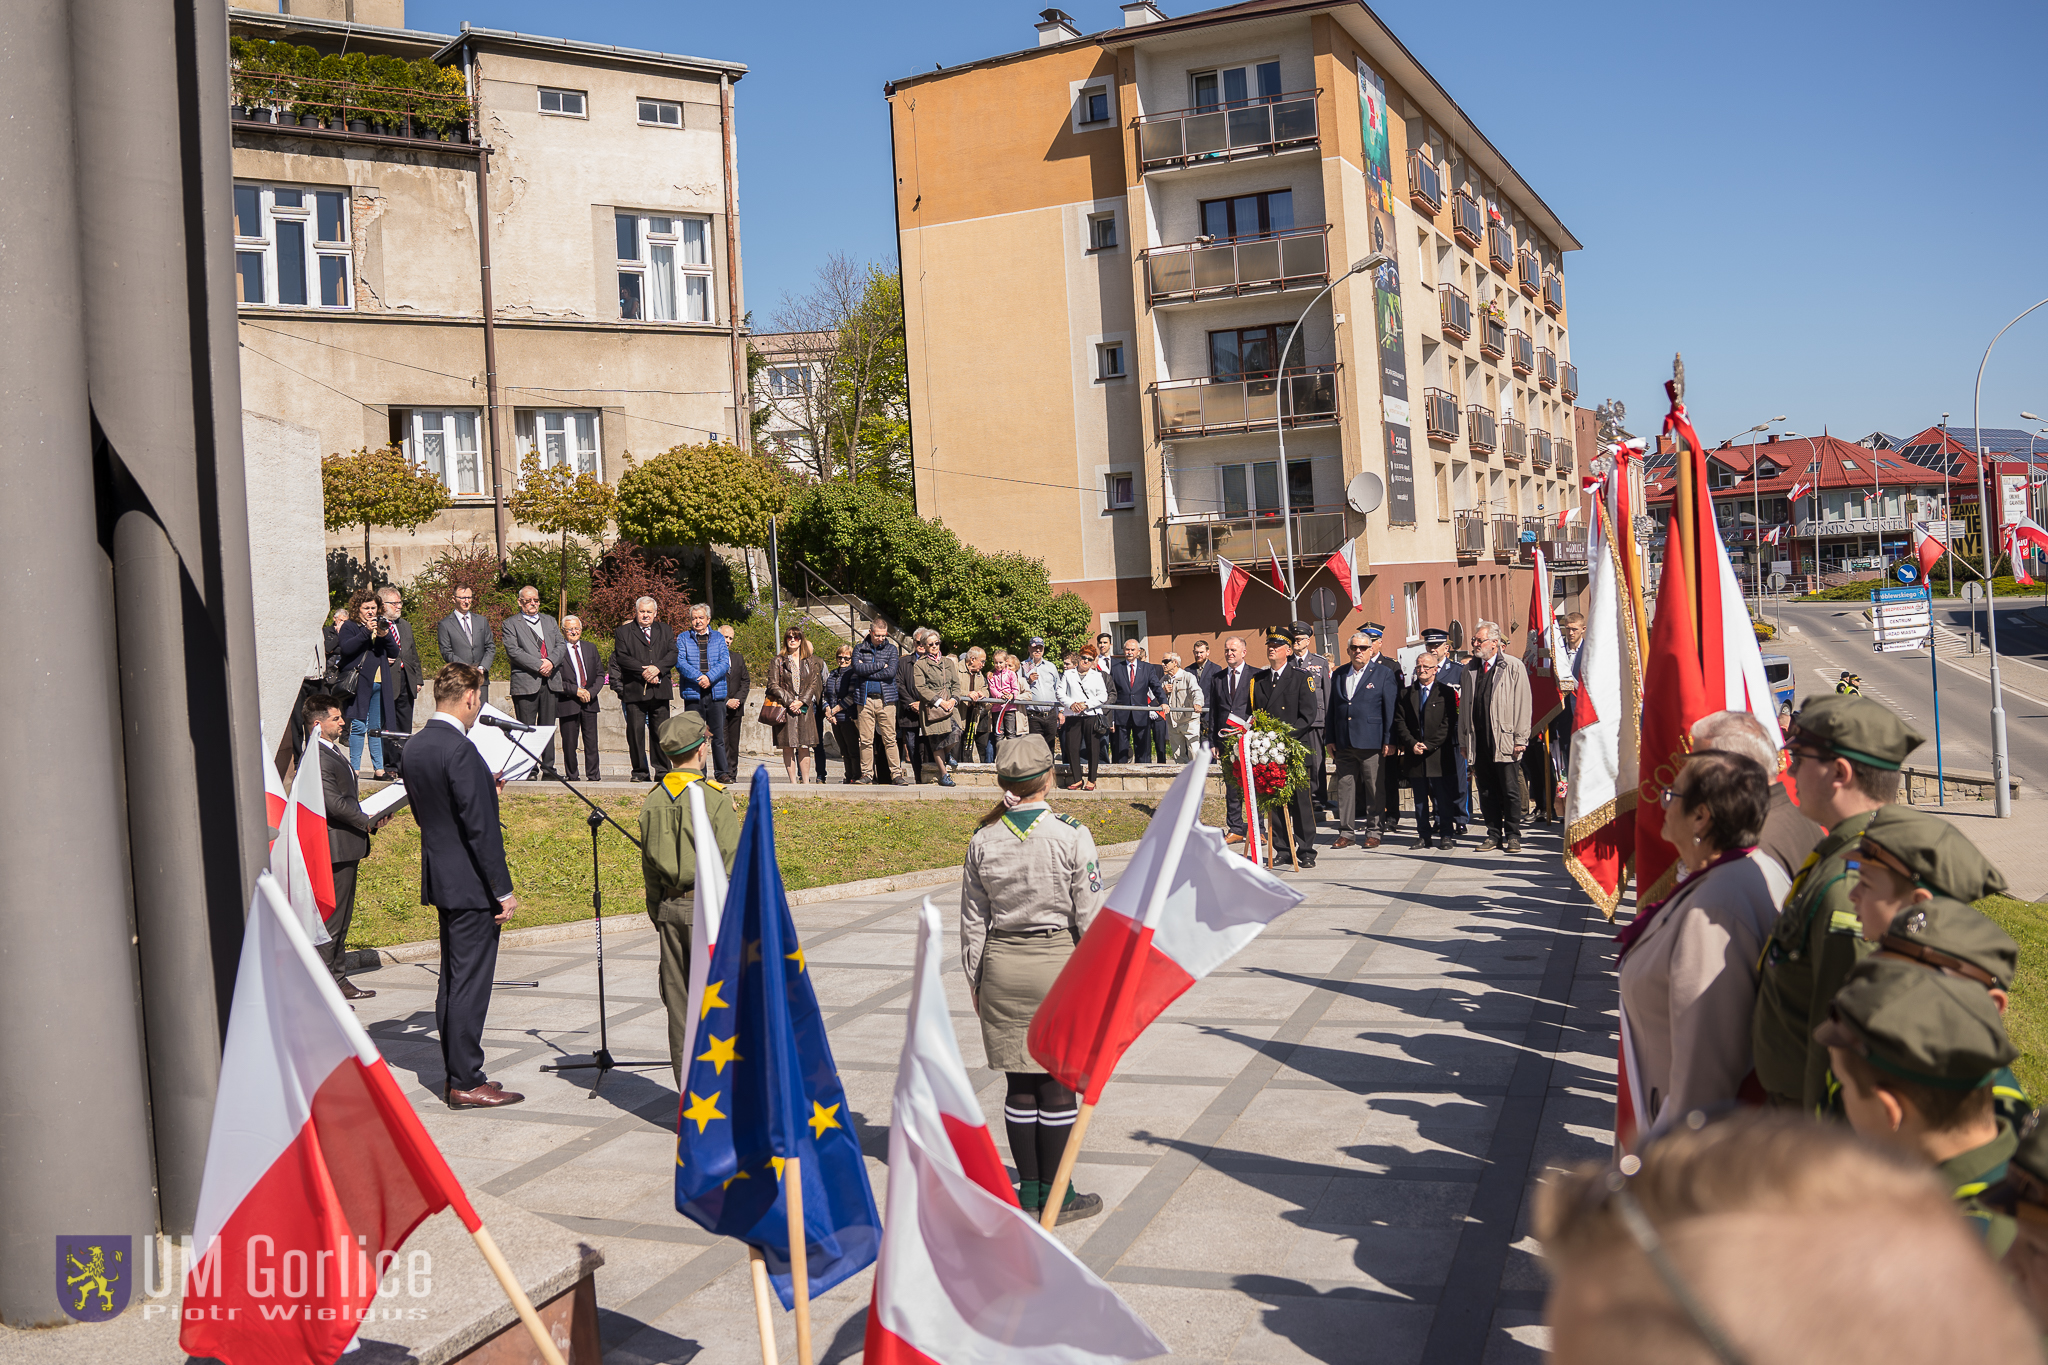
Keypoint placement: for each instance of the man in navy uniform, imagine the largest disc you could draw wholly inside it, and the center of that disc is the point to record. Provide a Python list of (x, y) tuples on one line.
[(1317, 667)]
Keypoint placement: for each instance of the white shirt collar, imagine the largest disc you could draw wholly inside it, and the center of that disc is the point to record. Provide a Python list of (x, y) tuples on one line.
[(447, 719)]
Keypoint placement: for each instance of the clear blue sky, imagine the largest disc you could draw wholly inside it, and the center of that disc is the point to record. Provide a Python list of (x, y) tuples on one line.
[(1829, 208)]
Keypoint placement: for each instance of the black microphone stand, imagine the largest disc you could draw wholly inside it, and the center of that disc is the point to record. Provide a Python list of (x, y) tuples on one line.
[(602, 1060)]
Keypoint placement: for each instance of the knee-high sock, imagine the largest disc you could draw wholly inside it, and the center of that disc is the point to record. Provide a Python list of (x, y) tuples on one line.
[(1020, 1122), (1056, 1113)]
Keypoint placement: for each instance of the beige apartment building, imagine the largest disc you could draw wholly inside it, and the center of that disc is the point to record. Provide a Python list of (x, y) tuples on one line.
[(1107, 240), (559, 273)]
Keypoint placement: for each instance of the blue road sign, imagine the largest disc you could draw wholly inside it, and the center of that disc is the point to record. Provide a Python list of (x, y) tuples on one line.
[(1909, 573)]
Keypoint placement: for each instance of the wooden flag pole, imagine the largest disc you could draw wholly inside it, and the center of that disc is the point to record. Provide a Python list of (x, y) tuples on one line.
[(764, 1318), (510, 1284), (799, 1256), (1057, 1194)]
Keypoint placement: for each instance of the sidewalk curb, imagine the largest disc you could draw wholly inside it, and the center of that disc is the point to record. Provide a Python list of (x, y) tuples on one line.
[(429, 950)]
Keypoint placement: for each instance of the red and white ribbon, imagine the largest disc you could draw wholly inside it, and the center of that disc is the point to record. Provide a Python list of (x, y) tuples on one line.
[(1254, 820)]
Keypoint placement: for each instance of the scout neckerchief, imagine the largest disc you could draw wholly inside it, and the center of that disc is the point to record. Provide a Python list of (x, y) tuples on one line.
[(1020, 820)]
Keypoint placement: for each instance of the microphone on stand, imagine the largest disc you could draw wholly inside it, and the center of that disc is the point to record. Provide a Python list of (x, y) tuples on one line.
[(500, 723), (389, 734)]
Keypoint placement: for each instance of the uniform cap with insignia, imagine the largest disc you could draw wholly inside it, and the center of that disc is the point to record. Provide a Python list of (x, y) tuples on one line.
[(681, 734), (1277, 636), (1300, 631), (1920, 1026), (1023, 758), (1926, 850), (1376, 630), (1434, 637), (1947, 934), (1858, 729)]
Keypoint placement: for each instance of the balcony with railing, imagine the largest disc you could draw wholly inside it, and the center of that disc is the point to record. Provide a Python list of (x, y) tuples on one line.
[(1425, 184), (1303, 397), (1500, 248), (1440, 414), (1521, 352), (1553, 292), (1507, 538), (1567, 549), (1528, 275), (1539, 448), (1456, 311), (1482, 432), (1468, 533), (1546, 367), (1228, 132), (1493, 338), (1194, 543), (1531, 536), (1192, 272), (1565, 458), (282, 103), (1514, 441), (1568, 380), (1468, 221)]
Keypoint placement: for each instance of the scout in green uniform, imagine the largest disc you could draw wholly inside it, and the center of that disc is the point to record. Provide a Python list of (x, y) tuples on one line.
[(1945, 935), (1030, 885), (1845, 754), (1916, 1052), (2024, 1195), (668, 862)]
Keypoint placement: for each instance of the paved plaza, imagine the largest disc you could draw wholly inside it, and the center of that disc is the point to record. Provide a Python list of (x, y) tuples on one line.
[(1323, 1151)]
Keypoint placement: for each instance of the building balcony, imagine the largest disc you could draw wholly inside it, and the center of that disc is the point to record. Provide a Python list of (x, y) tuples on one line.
[(1565, 458), (1456, 311), (1553, 292), (1482, 433), (1195, 272), (347, 111), (1440, 414), (1568, 380), (1500, 248), (1539, 449), (1228, 132), (1468, 221), (1493, 338), (1568, 550), (1194, 543), (1506, 537), (1425, 185), (1546, 367), (1531, 537), (1514, 441), (1303, 397), (1528, 275), (1468, 533), (1521, 352)]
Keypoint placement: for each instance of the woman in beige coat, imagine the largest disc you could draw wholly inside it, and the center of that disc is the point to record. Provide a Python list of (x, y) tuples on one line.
[(1689, 962)]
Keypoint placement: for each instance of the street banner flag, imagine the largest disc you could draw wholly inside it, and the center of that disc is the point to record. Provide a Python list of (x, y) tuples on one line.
[(707, 903), (299, 856), (1273, 569), (1928, 548), (760, 1087), (1183, 907), (1235, 581), (1543, 652), (316, 1159), (965, 1277), (1799, 490), (274, 798), (1600, 791), (2019, 536), (1344, 566)]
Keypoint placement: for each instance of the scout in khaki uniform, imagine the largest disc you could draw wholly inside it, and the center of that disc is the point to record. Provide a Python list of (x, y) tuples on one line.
[(2023, 1194), (1916, 1052), (1947, 936), (1030, 885), (668, 862), (1844, 755)]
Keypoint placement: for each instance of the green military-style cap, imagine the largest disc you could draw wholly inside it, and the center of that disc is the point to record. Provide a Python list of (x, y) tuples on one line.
[(1858, 729), (1023, 758), (1921, 1026), (682, 733), (1949, 935), (1928, 851)]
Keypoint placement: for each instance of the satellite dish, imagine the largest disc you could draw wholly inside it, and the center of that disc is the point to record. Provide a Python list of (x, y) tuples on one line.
[(1365, 493)]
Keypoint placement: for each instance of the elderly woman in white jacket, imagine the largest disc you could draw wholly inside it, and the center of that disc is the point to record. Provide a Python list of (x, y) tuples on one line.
[(1083, 691), (1183, 689)]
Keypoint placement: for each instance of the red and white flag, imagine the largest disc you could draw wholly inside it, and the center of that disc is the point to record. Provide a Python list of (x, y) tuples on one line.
[(1799, 490), (1235, 581), (1183, 907), (1343, 565), (1544, 652), (299, 857), (1564, 518), (1600, 791), (964, 1276), (317, 1169), (1928, 548), (273, 787), (1273, 569)]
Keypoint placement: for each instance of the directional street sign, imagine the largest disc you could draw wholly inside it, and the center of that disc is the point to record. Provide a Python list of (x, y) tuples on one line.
[(1901, 619)]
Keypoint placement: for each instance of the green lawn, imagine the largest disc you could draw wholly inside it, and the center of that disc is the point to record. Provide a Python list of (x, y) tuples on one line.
[(2026, 1017), (819, 841)]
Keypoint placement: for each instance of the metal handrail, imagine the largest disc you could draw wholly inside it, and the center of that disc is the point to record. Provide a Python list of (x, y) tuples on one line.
[(1546, 366), (1253, 127), (1440, 414), (1455, 309), (1500, 248), (1224, 105), (1526, 272), (1258, 402), (1422, 171), (1568, 379), (1493, 337), (1521, 351), (1204, 276), (1481, 431), (855, 628), (1468, 220)]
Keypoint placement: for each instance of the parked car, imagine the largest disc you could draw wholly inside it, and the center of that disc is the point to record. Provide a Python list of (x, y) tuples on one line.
[(1778, 673)]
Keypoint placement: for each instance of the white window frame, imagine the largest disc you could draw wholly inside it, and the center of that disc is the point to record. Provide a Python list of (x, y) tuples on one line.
[(1111, 362), (691, 295), (1110, 480), (641, 104), (779, 385), (305, 217), (1411, 602), (1079, 91), (572, 438), (1133, 627), (562, 98), (1098, 221), (458, 438)]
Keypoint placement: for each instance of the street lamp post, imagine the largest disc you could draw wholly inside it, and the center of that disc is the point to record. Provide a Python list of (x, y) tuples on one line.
[(1756, 515), (1372, 262), (2032, 437), (1947, 510)]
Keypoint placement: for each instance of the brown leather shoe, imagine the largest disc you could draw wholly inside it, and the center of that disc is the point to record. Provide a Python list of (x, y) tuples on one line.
[(483, 1097), (351, 991), (1343, 841), (1372, 841), (1230, 839)]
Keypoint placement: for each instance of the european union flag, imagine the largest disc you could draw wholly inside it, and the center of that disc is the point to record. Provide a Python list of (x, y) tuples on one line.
[(762, 1087)]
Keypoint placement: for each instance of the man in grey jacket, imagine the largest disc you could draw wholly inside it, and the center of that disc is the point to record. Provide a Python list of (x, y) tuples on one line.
[(536, 646), (1493, 730), (465, 637)]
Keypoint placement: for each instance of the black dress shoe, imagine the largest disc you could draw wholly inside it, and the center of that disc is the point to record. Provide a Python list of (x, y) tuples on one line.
[(351, 991)]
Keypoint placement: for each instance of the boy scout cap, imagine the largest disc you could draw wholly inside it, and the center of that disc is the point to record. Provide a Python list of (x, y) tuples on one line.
[(1947, 934), (1022, 758), (1858, 729), (1932, 852), (681, 734), (1918, 1025)]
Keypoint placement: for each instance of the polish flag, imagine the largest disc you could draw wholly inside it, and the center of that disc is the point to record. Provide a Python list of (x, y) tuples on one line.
[(1235, 581), (1273, 568), (1600, 786), (1544, 659), (299, 856), (1344, 566), (273, 789), (965, 1276), (707, 907), (1799, 490), (317, 1169), (1183, 908), (1564, 518), (1927, 547)]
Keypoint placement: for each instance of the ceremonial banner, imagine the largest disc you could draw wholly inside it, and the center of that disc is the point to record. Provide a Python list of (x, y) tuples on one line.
[(274, 797), (1600, 793), (299, 857), (1543, 651)]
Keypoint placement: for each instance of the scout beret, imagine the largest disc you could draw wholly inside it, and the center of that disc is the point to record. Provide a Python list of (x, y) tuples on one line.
[(1931, 852), (1023, 758), (1949, 935), (1858, 729), (681, 734), (1920, 1026)]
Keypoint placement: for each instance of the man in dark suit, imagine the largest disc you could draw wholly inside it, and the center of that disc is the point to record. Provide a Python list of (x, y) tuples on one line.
[(466, 637), (1204, 668), (1232, 691), (1133, 682), (534, 644), (463, 876), (1361, 726), (1426, 731), (410, 679), (1451, 672), (643, 653), (737, 686), (1291, 696), (582, 680), (348, 830)]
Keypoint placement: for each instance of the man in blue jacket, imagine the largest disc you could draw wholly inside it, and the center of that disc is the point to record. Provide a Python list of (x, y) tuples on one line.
[(1360, 724), (871, 691), (702, 662)]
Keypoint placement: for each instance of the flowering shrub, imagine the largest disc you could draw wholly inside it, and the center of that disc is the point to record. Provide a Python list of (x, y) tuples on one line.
[(1279, 760)]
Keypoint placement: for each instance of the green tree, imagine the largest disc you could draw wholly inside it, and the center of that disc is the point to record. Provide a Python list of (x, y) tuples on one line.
[(701, 495), (560, 501), (378, 487), (858, 411)]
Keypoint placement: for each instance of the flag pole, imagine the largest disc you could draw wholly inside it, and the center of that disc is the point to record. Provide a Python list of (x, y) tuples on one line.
[(507, 1281), (764, 1320), (799, 1255)]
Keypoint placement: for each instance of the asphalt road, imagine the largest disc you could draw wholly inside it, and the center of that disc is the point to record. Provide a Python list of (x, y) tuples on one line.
[(1832, 636)]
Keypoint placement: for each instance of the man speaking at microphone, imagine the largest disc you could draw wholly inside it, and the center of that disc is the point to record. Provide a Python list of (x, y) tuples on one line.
[(454, 798)]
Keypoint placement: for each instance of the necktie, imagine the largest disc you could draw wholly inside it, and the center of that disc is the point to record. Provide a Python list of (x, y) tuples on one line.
[(576, 658), (647, 634)]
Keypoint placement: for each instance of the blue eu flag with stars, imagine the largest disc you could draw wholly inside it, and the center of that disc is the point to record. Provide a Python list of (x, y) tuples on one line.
[(762, 1087)]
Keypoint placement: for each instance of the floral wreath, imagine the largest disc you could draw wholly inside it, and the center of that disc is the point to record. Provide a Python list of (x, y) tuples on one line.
[(1279, 760)]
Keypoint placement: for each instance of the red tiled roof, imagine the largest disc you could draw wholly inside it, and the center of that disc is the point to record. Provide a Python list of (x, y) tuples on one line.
[(1792, 457)]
